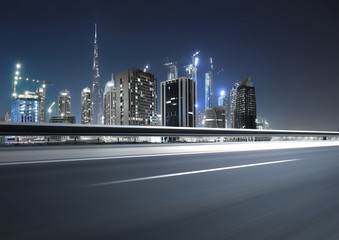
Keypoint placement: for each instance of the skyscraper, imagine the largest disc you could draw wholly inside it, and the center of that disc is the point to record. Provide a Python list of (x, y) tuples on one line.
[(86, 106), (178, 102), (172, 72), (215, 117), (136, 101), (7, 117), (41, 92), (233, 103), (63, 119), (64, 109), (223, 100), (246, 111), (262, 123), (200, 119), (25, 108), (191, 70), (96, 94), (30, 106), (110, 103), (159, 121), (64, 103), (209, 87)]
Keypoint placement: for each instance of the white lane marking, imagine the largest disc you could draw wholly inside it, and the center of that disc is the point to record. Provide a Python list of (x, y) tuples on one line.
[(106, 158), (190, 172)]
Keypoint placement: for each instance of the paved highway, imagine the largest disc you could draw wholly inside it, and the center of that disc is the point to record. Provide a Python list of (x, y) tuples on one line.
[(173, 191)]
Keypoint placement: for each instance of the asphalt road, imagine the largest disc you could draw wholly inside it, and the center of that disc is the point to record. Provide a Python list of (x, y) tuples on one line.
[(266, 194)]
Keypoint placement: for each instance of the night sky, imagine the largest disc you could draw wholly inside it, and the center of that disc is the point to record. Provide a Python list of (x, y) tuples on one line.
[(290, 49)]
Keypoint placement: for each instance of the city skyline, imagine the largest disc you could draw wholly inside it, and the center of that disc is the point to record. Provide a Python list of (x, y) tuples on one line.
[(288, 67)]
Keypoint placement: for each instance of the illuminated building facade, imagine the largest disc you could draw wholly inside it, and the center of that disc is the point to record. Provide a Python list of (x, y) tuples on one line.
[(172, 72), (136, 100), (159, 121), (25, 108), (233, 103), (223, 100), (178, 102), (63, 120), (262, 123), (86, 106), (215, 117), (246, 111), (64, 109), (64, 103), (109, 103), (209, 87), (7, 117), (41, 92), (200, 119)]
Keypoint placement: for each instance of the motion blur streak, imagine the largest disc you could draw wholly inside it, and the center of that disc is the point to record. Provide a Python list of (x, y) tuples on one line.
[(52, 154), (192, 172)]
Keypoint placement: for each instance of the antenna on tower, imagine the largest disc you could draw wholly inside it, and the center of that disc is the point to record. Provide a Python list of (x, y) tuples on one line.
[(19, 57)]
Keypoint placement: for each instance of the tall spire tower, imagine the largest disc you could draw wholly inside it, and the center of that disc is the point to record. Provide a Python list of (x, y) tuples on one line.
[(96, 93), (209, 87)]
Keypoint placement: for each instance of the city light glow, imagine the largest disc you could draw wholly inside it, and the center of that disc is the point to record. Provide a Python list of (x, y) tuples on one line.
[(196, 60)]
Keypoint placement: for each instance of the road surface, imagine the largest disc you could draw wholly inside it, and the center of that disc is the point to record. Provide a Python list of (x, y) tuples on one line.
[(172, 191)]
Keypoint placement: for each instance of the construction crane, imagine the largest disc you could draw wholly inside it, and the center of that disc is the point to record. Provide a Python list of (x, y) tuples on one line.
[(221, 70), (195, 60), (191, 69), (50, 110), (17, 78), (146, 67), (212, 68), (169, 63)]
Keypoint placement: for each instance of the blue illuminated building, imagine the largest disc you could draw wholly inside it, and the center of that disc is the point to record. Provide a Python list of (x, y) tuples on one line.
[(25, 108)]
